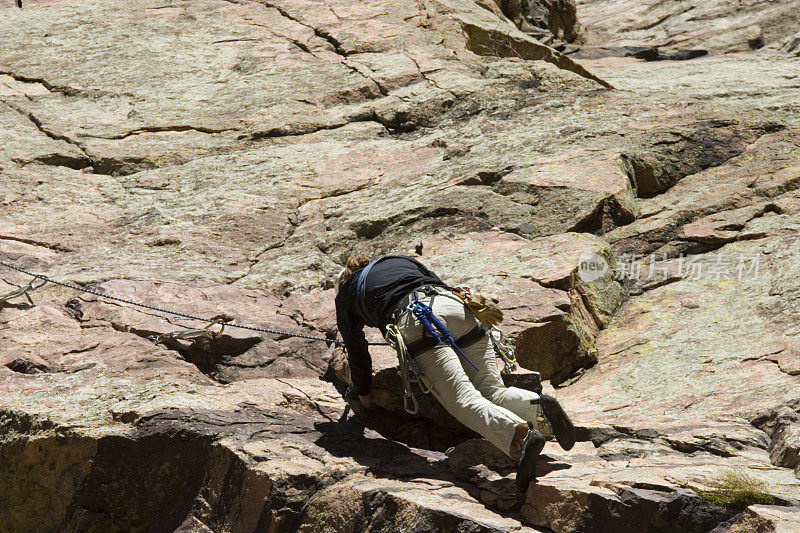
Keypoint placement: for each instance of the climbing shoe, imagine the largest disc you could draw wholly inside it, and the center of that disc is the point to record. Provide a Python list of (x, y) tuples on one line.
[(526, 469), (559, 421)]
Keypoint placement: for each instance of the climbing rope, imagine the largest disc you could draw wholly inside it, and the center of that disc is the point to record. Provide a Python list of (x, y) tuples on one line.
[(210, 321)]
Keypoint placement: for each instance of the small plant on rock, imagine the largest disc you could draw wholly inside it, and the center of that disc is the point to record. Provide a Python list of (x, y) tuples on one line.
[(734, 488)]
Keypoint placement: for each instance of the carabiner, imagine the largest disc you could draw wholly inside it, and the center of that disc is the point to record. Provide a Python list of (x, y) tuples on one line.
[(406, 396)]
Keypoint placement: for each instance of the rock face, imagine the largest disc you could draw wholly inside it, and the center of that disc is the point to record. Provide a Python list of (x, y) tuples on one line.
[(223, 158), (550, 21), (791, 45), (673, 29), (762, 518)]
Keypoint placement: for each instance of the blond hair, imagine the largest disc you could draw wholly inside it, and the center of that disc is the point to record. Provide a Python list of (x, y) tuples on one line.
[(353, 264)]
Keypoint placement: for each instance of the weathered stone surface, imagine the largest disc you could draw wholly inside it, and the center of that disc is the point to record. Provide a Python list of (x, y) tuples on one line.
[(786, 446), (782, 424), (622, 493), (791, 45), (223, 158), (550, 21), (686, 25), (682, 153), (766, 518), (229, 355), (715, 206), (679, 355), (151, 443)]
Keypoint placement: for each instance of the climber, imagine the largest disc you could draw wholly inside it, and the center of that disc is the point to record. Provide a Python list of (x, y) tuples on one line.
[(464, 376)]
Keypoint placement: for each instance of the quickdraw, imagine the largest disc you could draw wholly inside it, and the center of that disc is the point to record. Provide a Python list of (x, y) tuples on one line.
[(409, 371), (502, 350)]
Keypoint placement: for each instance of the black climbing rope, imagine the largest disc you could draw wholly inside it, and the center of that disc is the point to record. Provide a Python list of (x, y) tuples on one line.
[(171, 312)]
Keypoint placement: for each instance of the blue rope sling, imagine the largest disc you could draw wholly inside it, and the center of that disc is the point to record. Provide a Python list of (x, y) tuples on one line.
[(435, 328)]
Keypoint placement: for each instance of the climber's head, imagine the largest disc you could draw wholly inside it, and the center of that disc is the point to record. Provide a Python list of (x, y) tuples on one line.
[(353, 263)]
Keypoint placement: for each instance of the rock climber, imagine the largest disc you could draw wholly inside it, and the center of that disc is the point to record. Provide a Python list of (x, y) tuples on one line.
[(464, 378)]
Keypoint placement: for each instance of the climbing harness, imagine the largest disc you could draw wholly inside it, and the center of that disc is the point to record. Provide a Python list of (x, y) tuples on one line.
[(211, 321), (485, 310), (433, 327), (410, 372), (502, 349)]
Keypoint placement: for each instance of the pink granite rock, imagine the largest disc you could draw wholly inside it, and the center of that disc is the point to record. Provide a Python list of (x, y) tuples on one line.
[(224, 158)]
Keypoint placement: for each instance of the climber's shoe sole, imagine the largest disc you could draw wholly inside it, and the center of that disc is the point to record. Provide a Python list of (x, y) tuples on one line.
[(562, 426), (526, 469)]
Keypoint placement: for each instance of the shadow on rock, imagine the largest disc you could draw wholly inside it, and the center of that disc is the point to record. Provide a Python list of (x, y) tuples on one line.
[(548, 464), (385, 458), (475, 466)]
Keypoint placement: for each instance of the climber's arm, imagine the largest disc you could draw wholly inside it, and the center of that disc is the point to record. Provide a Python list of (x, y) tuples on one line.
[(351, 328)]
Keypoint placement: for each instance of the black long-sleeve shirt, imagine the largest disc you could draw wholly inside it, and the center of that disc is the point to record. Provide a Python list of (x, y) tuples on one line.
[(389, 280)]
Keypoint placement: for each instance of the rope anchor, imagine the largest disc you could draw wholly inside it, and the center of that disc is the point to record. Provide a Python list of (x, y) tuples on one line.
[(26, 290), (223, 322), (190, 333)]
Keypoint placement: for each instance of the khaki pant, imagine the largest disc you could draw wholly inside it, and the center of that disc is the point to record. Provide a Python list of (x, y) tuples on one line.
[(477, 398)]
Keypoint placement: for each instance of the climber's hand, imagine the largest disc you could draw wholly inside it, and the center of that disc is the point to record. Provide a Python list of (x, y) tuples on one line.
[(366, 401)]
